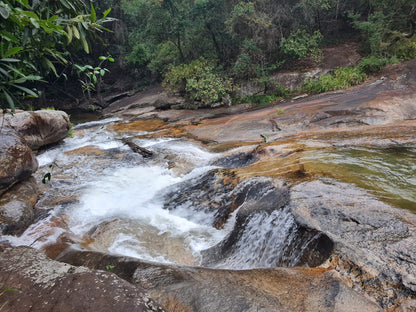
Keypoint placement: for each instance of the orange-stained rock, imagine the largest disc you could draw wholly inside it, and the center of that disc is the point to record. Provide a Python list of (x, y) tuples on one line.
[(87, 150), (138, 125)]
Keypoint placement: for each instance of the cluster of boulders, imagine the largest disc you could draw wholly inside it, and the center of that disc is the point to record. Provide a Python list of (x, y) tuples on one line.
[(21, 134)]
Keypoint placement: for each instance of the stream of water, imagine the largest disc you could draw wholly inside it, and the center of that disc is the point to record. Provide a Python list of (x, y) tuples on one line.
[(106, 196), (103, 196), (389, 173)]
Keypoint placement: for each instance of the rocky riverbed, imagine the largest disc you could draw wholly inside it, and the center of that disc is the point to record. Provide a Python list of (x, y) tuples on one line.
[(280, 223)]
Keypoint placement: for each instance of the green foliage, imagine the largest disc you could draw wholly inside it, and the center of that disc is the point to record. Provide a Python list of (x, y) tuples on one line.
[(91, 77), (139, 56), (373, 30), (372, 64), (198, 81), (258, 100), (40, 31), (402, 47), (47, 176), (301, 44), (341, 78), (166, 54)]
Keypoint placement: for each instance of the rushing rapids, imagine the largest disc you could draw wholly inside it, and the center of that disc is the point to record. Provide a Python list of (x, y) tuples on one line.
[(176, 207)]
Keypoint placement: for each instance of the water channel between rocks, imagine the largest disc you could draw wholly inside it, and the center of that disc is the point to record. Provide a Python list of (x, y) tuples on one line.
[(103, 196)]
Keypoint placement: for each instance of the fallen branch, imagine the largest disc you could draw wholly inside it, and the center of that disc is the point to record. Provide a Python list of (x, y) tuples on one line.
[(138, 149)]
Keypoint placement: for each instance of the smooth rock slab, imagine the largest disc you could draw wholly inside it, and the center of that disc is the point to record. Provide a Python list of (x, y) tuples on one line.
[(47, 285), (375, 244), (195, 289)]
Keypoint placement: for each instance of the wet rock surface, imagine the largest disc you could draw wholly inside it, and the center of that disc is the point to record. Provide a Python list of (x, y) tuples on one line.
[(39, 128), (41, 284), (210, 193), (194, 289), (17, 161), (17, 207)]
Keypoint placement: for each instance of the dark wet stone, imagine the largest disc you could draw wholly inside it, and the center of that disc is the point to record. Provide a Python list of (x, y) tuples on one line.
[(17, 161), (265, 234), (210, 193), (16, 207), (236, 160)]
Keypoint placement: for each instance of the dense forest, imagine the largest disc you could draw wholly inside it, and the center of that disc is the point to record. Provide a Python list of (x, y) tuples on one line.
[(198, 48)]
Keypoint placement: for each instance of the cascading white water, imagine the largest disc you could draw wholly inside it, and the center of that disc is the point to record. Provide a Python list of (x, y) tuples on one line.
[(116, 204), (263, 241)]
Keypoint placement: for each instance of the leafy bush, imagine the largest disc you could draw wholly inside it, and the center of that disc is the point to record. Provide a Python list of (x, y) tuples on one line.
[(260, 100), (403, 48), (165, 55), (139, 55), (301, 43), (199, 82), (372, 64), (342, 78)]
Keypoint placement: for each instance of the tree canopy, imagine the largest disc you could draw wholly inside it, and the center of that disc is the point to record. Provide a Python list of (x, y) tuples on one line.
[(239, 39), (37, 38)]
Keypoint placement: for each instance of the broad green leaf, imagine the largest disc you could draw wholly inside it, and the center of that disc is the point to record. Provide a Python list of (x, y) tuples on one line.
[(32, 78), (106, 12), (102, 58), (10, 289), (93, 14), (34, 22), (94, 78), (66, 4), (102, 72), (5, 73), (111, 59), (12, 51), (10, 60), (31, 14), (13, 69), (76, 32), (53, 18), (50, 66), (28, 91), (9, 100), (85, 45), (69, 33)]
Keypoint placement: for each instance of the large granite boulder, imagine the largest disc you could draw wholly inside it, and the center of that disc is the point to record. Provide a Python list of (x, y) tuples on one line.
[(41, 284), (17, 161), (39, 128)]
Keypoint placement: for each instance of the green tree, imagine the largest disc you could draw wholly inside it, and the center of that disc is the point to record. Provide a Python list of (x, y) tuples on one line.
[(41, 31)]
